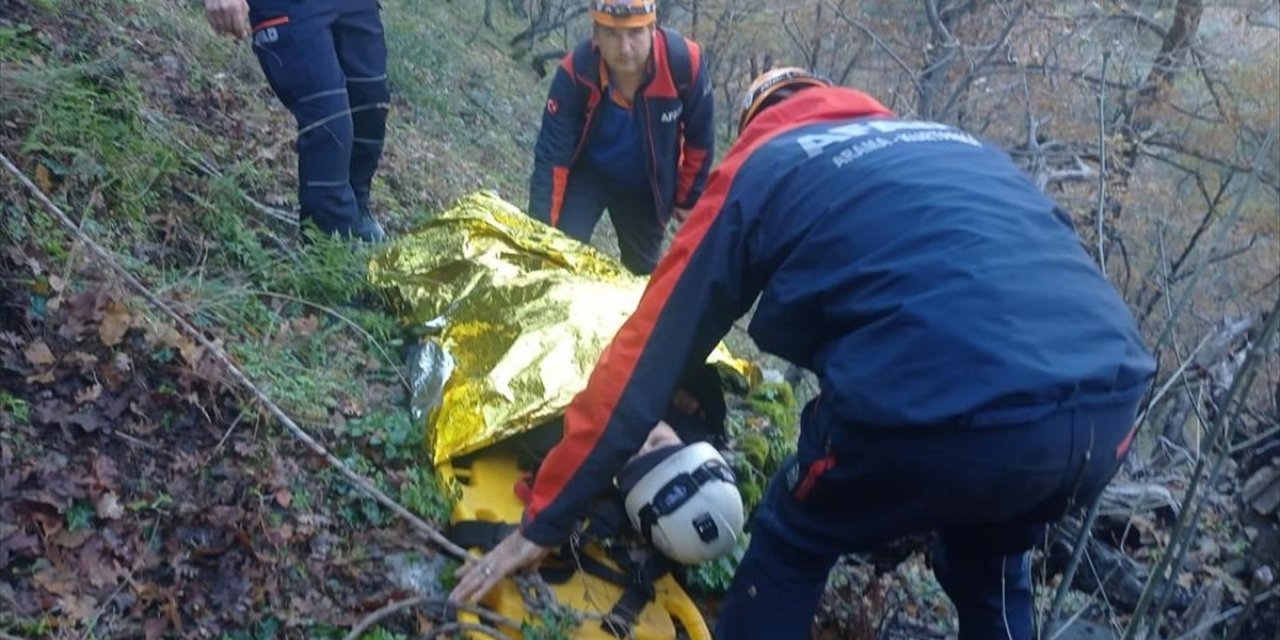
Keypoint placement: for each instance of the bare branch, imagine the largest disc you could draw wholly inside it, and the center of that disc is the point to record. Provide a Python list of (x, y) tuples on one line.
[(879, 42), (940, 31), (962, 86)]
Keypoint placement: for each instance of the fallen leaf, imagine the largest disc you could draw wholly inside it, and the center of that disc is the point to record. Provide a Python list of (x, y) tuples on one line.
[(284, 498), (80, 359), (105, 472), (108, 506), (155, 628), (21, 543), (78, 608), (89, 394), (102, 571), (350, 407), (82, 312), (115, 322), (116, 373), (71, 539), (41, 378), (90, 422), (56, 283), (56, 581), (44, 178), (190, 350), (38, 354), (49, 524), (305, 326)]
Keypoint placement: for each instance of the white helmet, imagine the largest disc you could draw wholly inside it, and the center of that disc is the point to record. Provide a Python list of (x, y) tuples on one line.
[(684, 502)]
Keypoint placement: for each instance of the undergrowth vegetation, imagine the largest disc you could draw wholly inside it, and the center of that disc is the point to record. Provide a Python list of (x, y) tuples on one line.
[(163, 144)]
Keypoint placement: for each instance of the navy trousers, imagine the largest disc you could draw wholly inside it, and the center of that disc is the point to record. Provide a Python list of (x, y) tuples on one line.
[(326, 61), (631, 211), (988, 492)]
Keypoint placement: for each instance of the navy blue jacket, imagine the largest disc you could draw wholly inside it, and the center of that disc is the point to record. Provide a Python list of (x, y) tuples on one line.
[(679, 135), (917, 271)]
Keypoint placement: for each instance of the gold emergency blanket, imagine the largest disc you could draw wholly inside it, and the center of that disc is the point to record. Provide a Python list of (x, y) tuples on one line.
[(516, 315)]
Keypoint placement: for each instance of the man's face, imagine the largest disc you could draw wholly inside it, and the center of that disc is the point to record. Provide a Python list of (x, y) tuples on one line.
[(625, 49)]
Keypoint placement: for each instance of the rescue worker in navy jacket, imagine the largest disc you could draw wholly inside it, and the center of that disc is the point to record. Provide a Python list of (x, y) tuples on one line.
[(979, 375), (326, 60), (628, 128)]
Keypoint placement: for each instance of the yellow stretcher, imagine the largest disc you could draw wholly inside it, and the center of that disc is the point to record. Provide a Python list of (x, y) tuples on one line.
[(487, 479)]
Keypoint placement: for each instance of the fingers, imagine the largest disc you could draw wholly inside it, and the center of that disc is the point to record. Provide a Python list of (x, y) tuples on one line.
[(475, 580), (478, 578), (230, 17), (241, 26)]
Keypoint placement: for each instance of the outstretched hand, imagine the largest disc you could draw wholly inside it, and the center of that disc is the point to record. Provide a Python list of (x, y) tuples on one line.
[(477, 578), (228, 16)]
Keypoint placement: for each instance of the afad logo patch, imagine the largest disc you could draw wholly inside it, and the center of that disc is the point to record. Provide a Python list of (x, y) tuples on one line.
[(266, 36), (265, 32), (552, 106)]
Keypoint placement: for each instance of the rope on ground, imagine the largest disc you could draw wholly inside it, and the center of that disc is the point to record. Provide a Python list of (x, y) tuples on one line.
[(359, 481)]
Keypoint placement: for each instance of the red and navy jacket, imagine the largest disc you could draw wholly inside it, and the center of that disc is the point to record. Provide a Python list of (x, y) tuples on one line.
[(676, 104), (916, 270)]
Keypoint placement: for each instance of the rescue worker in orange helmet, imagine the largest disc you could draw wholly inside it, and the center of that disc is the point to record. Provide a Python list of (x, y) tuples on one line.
[(979, 375), (627, 127)]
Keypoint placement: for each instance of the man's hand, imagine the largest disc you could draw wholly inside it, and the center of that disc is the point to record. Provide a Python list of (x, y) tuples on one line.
[(228, 16), (680, 214), (477, 578)]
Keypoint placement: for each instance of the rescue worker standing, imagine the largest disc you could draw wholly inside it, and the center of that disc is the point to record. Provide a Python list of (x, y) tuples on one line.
[(326, 60), (627, 127), (979, 376)]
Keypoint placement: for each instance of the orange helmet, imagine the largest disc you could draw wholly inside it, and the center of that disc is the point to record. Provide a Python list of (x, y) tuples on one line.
[(624, 13), (769, 85)]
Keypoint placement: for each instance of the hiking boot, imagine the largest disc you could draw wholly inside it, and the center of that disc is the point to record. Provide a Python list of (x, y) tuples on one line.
[(369, 230)]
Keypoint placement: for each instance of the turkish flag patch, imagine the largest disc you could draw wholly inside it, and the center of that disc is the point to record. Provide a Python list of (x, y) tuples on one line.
[(552, 106)]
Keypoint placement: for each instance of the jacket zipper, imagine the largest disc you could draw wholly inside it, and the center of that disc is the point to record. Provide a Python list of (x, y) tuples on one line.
[(653, 159)]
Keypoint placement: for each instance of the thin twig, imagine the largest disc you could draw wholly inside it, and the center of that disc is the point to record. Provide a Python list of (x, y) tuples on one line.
[(1233, 612), (454, 627), (227, 434), (1223, 228), (1254, 440), (1223, 425), (875, 38), (359, 481), (196, 160), (1077, 554), (140, 443), (496, 619), (1102, 163), (384, 612)]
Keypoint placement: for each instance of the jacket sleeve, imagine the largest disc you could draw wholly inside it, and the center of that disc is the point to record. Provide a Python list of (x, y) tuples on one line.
[(698, 121), (700, 287), (563, 118)]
